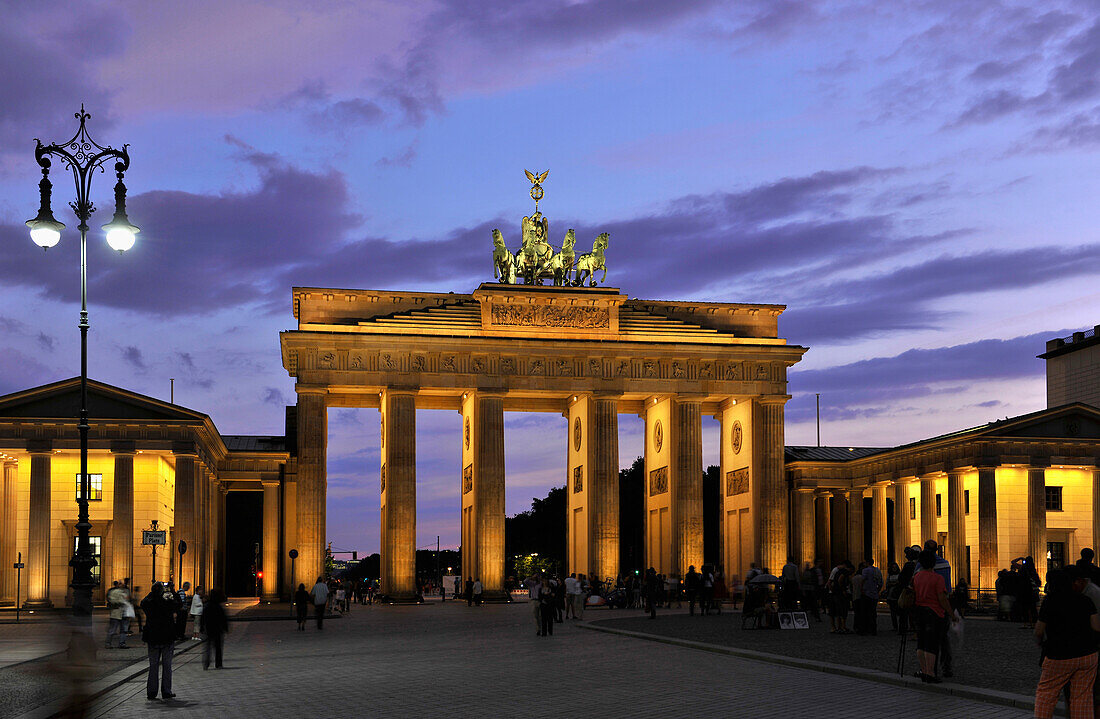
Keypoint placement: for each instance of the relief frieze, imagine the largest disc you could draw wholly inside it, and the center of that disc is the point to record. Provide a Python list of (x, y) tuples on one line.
[(658, 481), (468, 479), (551, 316), (737, 482)]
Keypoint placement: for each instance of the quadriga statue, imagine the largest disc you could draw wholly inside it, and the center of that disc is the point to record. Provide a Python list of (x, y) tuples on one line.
[(504, 262)]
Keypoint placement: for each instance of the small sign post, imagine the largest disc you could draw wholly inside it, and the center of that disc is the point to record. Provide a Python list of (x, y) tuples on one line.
[(154, 537), (293, 555), (18, 567), (179, 573)]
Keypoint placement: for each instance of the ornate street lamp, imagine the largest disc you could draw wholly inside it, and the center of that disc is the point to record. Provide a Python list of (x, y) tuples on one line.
[(83, 156)]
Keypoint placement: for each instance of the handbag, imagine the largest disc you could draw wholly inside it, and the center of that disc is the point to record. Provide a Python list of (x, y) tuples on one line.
[(128, 611), (907, 598)]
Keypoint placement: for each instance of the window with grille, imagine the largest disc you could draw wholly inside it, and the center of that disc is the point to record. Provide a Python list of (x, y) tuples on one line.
[(1054, 499), (939, 505), (966, 500), (96, 544)]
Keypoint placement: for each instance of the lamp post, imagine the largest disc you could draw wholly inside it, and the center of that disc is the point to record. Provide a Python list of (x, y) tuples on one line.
[(82, 156)]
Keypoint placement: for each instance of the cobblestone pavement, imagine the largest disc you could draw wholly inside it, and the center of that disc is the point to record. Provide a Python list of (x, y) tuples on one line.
[(994, 655), (457, 661)]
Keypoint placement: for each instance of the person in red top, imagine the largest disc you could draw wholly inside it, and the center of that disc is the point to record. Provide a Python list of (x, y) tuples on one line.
[(932, 611)]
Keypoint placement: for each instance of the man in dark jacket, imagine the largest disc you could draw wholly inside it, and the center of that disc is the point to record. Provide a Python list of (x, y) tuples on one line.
[(160, 609)]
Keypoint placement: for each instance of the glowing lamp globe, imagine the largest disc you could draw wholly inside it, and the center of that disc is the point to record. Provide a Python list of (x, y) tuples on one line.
[(120, 233), (45, 236)]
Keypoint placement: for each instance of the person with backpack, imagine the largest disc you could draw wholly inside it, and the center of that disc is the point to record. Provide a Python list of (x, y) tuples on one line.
[(838, 591)]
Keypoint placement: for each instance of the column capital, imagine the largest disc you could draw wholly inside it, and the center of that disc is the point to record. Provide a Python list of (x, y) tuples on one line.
[(1038, 463), (269, 483), (401, 390), (10, 462), (773, 399), (39, 446), (956, 471), (688, 398), (310, 390), (123, 446), (805, 490), (185, 449), (605, 394), (492, 392)]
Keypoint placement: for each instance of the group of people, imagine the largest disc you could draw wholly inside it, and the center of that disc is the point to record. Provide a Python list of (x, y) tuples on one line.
[(554, 600), (162, 618)]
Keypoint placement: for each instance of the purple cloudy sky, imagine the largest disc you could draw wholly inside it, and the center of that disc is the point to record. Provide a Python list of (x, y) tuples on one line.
[(918, 184)]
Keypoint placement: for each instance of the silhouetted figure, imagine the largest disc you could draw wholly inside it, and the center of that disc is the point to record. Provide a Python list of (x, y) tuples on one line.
[(214, 624), (161, 608)]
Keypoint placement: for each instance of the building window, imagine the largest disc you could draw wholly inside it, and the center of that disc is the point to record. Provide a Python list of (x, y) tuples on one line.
[(1054, 499), (939, 505), (95, 487), (1056, 554), (97, 553), (966, 501), (912, 508)]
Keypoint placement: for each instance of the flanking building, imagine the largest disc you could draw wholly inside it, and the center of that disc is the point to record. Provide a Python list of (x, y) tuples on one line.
[(149, 461)]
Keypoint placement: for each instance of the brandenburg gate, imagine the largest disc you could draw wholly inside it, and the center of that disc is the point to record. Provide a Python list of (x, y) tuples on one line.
[(586, 353)]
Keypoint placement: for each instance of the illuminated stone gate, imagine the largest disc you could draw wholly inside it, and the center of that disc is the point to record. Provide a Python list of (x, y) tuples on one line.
[(588, 354)]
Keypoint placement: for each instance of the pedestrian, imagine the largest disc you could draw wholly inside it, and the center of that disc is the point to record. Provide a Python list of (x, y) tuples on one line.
[(196, 613), (135, 607), (214, 625), (118, 603), (838, 591), (301, 606), (721, 591), (547, 608), (808, 585), (857, 598), (319, 595), (1065, 629), (339, 597), (442, 592), (478, 590), (691, 589), (652, 592), (943, 568), (534, 588), (161, 609), (570, 596), (706, 589), (893, 592), (789, 586), (582, 595), (872, 591), (933, 613), (468, 590), (183, 604)]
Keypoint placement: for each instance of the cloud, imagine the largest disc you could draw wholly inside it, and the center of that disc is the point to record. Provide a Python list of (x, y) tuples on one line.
[(133, 357), (273, 395), (46, 342), (879, 384)]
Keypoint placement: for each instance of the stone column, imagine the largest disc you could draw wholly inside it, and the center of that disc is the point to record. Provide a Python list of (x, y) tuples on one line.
[(880, 540), (771, 493), (488, 491), (1095, 509), (398, 494), (222, 491), (687, 488), (805, 530), (312, 450), (7, 533), (856, 546), (927, 508), (956, 525), (902, 523), (270, 562), (122, 526), (184, 517), (1037, 517), (988, 558), (38, 529), (838, 528), (823, 526), (604, 496)]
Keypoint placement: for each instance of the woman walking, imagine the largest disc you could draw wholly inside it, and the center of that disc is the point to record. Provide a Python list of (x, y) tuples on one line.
[(1065, 630), (301, 606), (196, 614)]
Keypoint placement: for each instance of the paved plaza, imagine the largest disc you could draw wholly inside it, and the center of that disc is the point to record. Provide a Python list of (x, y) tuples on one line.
[(456, 661)]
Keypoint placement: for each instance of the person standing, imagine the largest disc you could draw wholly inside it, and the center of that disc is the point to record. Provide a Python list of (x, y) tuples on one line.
[(789, 587), (214, 624), (118, 600), (534, 588), (301, 606), (932, 613), (161, 609), (652, 592), (183, 604), (1066, 630), (478, 590), (319, 595), (468, 590), (872, 591), (196, 613), (570, 596), (547, 608), (691, 588)]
